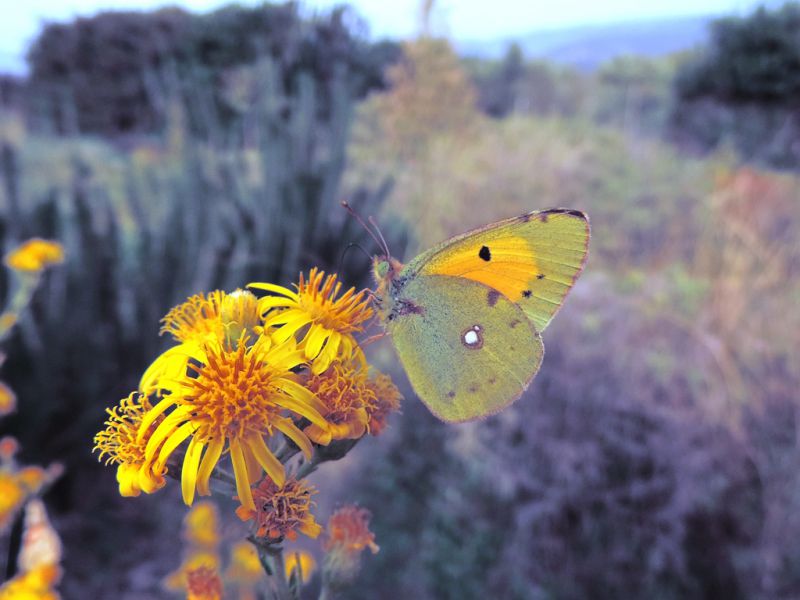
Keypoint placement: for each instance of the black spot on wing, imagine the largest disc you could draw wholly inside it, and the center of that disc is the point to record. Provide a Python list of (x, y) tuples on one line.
[(492, 297), (527, 293), (540, 276), (485, 253), (451, 394)]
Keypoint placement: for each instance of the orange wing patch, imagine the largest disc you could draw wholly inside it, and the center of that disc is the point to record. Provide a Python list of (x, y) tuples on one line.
[(532, 260), (505, 264)]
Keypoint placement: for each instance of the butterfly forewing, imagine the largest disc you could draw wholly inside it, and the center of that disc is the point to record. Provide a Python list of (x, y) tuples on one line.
[(532, 260)]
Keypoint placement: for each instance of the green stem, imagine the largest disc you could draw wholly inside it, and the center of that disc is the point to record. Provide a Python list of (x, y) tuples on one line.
[(24, 286), (280, 575)]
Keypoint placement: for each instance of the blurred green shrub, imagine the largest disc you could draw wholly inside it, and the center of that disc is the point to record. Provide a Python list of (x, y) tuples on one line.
[(742, 89), (116, 72)]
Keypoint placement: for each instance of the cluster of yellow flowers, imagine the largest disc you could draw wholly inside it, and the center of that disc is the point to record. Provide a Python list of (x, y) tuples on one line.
[(252, 382), (202, 577), (38, 570), (19, 484)]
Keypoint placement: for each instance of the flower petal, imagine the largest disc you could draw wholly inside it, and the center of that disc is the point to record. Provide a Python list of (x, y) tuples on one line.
[(174, 440), (266, 459), (210, 460), (189, 472), (301, 401), (240, 472), (271, 287), (290, 430), (316, 337)]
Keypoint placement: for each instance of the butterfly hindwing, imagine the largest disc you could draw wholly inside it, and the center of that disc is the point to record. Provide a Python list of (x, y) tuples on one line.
[(467, 349), (532, 260)]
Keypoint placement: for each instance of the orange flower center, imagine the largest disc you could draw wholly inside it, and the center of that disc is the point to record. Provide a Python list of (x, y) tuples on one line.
[(233, 394)]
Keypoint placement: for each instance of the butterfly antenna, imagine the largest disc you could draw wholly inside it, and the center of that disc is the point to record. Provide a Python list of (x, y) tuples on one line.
[(363, 224), (344, 253), (383, 239)]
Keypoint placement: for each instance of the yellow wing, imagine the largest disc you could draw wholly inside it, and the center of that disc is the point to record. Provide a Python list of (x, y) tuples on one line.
[(533, 260)]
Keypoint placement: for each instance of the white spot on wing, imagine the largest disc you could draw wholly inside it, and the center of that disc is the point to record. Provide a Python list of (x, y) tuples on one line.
[(472, 338)]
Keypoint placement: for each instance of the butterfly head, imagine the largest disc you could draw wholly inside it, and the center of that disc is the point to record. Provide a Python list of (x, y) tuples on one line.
[(385, 270)]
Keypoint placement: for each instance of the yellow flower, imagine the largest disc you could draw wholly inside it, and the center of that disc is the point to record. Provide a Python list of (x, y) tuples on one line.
[(231, 399), (123, 442), (387, 400), (33, 585), (195, 319), (34, 255), (201, 526), (203, 583), (245, 568), (8, 319), (195, 560), (299, 564), (325, 324), (8, 400), (348, 531), (32, 478), (282, 511), (12, 495), (343, 389), (215, 317)]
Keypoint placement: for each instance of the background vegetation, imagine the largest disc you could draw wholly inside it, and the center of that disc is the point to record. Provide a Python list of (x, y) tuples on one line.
[(656, 453)]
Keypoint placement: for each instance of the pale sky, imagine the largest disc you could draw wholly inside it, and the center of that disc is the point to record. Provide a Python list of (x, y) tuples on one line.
[(20, 20)]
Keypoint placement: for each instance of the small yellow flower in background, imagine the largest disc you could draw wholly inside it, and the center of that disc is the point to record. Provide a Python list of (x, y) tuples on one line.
[(231, 398), (195, 559), (201, 526), (201, 538), (324, 323), (8, 400), (7, 320), (38, 559), (343, 389), (216, 317), (203, 583), (18, 485), (33, 585), (12, 496), (348, 531), (282, 511), (387, 401), (34, 255), (245, 568), (346, 537), (300, 564), (123, 443)]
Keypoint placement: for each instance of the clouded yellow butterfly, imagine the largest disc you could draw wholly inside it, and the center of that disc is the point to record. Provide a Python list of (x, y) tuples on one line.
[(466, 316)]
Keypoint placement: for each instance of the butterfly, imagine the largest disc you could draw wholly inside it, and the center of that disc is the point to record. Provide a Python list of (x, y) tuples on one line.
[(466, 316)]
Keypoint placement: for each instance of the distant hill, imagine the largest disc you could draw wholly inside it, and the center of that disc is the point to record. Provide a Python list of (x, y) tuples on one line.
[(588, 46)]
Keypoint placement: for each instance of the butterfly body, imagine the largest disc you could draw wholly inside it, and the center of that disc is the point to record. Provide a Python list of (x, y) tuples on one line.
[(466, 316)]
